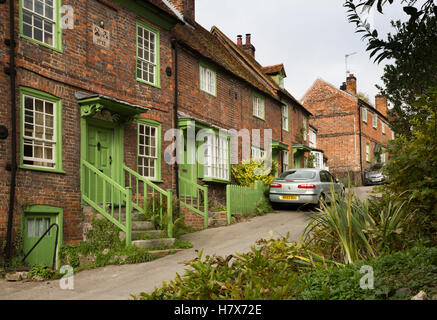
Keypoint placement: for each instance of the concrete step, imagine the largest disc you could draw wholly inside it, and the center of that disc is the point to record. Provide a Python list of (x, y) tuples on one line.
[(136, 234), (146, 244)]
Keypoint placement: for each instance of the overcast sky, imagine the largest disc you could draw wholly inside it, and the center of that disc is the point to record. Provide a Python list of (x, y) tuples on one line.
[(310, 37)]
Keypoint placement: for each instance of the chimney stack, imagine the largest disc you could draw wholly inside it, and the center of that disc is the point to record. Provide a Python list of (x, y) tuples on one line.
[(343, 86), (239, 40), (381, 104), (186, 7), (248, 47), (351, 84)]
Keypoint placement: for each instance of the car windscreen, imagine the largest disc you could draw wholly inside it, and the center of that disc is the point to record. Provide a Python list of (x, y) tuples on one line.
[(297, 175)]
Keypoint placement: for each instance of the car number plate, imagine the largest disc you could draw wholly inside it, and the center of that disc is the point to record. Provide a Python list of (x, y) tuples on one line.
[(290, 197)]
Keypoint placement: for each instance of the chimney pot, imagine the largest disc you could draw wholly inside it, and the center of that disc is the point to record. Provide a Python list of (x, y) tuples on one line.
[(240, 40), (247, 38)]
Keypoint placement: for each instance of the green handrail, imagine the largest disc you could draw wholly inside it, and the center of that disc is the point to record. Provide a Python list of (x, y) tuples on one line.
[(143, 184), (194, 202), (116, 193)]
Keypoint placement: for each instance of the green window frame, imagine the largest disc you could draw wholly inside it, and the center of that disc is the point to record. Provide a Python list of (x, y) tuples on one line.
[(367, 152), (31, 144), (36, 21), (149, 152), (207, 79), (258, 106), (364, 114), (148, 62), (285, 117), (215, 160), (257, 153), (285, 160)]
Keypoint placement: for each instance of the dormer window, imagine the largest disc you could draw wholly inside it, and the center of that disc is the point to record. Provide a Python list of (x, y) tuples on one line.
[(281, 82)]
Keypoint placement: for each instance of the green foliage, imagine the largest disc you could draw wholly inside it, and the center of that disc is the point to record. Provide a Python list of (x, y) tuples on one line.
[(41, 271), (413, 163), (182, 244), (246, 173), (263, 273), (103, 234), (262, 207), (347, 230), (397, 276), (311, 161)]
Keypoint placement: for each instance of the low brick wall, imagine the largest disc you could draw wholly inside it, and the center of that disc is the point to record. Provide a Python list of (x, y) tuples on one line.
[(192, 219)]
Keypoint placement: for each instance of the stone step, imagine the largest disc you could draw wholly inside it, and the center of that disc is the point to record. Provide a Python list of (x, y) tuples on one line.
[(146, 244), (142, 225), (136, 234)]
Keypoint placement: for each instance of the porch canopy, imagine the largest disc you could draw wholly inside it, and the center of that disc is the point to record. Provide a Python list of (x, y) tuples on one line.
[(278, 145), (111, 108), (301, 148)]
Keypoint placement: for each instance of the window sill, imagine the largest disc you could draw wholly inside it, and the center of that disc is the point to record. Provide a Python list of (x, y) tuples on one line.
[(259, 118), (216, 180), (209, 93), (60, 171), (149, 83), (41, 43)]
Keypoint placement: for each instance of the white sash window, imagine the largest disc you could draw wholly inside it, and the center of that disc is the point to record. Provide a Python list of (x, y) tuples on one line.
[(216, 157), (147, 151), (207, 80), (39, 20), (146, 54)]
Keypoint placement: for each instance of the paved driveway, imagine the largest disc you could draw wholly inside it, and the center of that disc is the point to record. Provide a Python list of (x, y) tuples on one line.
[(118, 282)]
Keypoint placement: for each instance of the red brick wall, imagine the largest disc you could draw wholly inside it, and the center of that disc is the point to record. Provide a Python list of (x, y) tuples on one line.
[(83, 66), (336, 116)]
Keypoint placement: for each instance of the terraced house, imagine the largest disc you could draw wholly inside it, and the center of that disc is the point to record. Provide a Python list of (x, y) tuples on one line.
[(92, 89), (352, 132)]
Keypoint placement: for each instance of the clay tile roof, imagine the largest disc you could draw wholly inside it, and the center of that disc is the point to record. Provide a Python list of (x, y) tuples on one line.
[(277, 68), (206, 44), (164, 7)]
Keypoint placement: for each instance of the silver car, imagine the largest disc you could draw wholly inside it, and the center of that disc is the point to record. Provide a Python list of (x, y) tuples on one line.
[(304, 186)]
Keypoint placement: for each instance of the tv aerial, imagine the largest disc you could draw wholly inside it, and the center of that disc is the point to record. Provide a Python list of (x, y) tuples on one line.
[(346, 56)]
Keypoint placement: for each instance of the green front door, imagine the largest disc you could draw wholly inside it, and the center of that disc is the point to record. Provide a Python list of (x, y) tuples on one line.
[(187, 170), (297, 156), (99, 154), (34, 227)]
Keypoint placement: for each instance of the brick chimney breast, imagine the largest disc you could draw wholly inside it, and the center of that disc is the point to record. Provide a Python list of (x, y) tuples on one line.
[(186, 7), (351, 84), (248, 47), (381, 104)]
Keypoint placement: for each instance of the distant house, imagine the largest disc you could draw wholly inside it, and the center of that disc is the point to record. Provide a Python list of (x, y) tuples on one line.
[(351, 132), (319, 159)]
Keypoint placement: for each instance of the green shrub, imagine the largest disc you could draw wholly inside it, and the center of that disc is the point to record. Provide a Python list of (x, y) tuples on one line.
[(268, 271), (412, 167), (347, 230), (246, 173), (396, 276), (41, 271)]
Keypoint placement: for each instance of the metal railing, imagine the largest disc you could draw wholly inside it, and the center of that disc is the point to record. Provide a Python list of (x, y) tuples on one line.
[(194, 197), (39, 240), (243, 200), (148, 195), (107, 197)]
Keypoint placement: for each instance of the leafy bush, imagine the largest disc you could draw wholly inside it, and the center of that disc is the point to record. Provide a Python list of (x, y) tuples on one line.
[(347, 230), (246, 173), (268, 271), (396, 276), (41, 271), (412, 167)]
